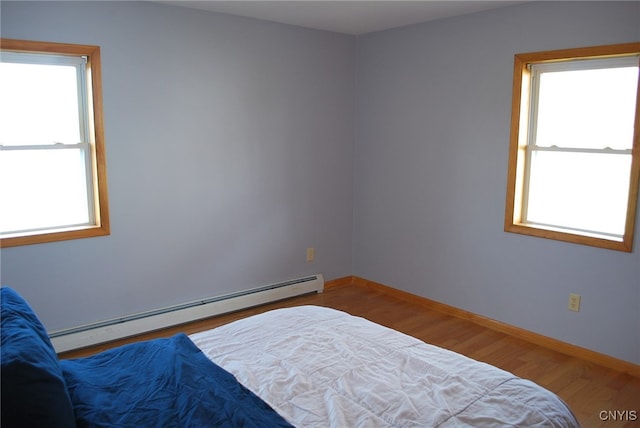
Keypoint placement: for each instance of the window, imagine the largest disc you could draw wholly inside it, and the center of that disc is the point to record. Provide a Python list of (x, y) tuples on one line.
[(574, 156), (52, 166)]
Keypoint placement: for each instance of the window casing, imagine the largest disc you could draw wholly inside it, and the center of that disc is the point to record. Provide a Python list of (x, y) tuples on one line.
[(574, 150), (52, 161)]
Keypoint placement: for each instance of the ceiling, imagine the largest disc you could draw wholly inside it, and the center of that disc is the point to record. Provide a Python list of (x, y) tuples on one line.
[(345, 16)]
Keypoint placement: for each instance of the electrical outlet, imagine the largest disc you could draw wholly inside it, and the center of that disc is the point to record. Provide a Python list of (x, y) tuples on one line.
[(311, 254), (574, 302)]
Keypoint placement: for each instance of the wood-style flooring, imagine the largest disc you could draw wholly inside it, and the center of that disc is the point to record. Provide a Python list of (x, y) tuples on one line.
[(590, 390)]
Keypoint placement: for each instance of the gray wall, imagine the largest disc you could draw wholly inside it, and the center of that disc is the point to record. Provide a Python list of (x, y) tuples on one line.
[(229, 152), (430, 176), (230, 149)]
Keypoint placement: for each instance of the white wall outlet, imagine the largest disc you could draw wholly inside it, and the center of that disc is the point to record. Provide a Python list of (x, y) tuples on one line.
[(574, 302), (311, 254)]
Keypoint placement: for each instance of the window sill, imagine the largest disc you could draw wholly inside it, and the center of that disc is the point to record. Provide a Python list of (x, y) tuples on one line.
[(609, 242), (53, 235)]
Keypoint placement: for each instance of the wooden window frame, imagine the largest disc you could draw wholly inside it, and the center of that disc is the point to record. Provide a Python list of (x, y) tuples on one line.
[(518, 145), (100, 226)]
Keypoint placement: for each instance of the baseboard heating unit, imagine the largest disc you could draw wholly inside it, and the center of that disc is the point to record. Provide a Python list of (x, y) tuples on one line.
[(118, 328)]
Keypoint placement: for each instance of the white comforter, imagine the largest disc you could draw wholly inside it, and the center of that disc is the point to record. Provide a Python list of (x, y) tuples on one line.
[(320, 367)]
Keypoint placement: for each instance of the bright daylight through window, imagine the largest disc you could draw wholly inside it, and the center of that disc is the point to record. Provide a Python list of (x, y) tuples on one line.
[(52, 178), (574, 162)]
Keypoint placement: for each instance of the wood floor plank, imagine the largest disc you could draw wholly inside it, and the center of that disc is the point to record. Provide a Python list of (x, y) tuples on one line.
[(588, 388)]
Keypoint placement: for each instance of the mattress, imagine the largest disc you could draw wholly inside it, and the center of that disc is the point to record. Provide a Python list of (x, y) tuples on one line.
[(319, 367)]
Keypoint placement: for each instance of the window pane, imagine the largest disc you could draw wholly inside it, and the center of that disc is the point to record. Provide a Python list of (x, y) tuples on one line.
[(579, 190), (42, 188), (587, 108), (39, 104)]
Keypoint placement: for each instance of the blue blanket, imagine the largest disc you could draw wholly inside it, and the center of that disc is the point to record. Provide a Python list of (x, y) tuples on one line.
[(161, 383)]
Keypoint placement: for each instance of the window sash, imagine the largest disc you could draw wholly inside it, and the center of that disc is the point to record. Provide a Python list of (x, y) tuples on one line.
[(536, 70), (583, 199), (80, 63), (535, 81), (84, 167)]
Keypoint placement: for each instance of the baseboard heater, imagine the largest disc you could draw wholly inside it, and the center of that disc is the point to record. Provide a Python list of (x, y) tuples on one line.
[(143, 322)]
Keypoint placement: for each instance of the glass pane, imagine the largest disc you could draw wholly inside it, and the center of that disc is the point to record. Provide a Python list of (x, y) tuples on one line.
[(579, 190), (587, 108), (42, 188), (38, 104)]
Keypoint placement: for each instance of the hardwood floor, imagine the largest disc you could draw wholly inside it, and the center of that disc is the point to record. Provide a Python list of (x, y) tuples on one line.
[(592, 391)]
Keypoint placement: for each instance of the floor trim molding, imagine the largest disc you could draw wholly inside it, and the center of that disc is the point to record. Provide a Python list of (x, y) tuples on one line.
[(529, 336)]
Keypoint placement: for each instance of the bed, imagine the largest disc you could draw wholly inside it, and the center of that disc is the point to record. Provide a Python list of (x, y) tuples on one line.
[(304, 366)]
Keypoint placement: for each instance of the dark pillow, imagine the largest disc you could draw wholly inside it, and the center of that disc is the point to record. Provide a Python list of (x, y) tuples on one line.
[(33, 393)]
